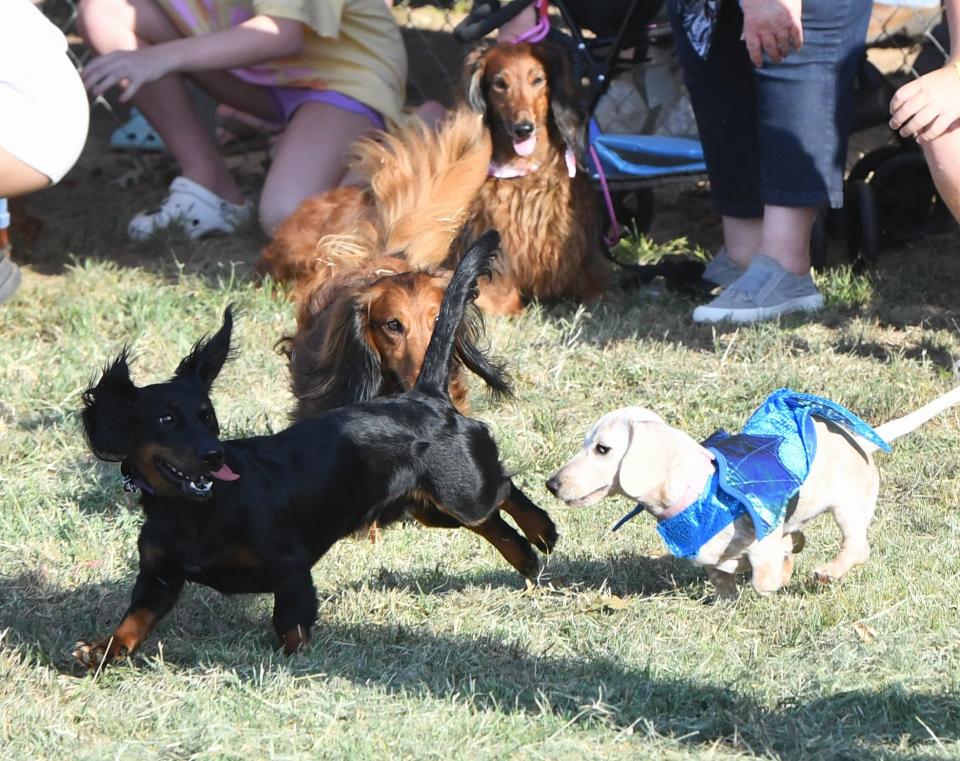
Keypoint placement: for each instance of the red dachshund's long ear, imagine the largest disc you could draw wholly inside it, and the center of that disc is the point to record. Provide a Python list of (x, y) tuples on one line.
[(566, 107), (476, 357), (473, 70), (106, 411), (333, 364), (203, 364)]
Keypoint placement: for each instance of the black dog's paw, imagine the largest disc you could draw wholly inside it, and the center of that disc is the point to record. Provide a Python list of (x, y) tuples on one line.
[(295, 640), (93, 655), (526, 561), (546, 537)]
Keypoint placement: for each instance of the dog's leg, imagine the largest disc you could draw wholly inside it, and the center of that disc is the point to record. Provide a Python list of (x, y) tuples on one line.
[(432, 517), (533, 521), (792, 544), (768, 562), (852, 520), (294, 605), (153, 597), (500, 296), (724, 583), (514, 548)]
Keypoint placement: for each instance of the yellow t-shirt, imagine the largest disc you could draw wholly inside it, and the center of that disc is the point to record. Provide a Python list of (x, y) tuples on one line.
[(351, 46)]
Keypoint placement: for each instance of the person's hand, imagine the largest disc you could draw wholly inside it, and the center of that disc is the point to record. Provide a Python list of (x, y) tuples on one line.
[(130, 69), (929, 106), (772, 27)]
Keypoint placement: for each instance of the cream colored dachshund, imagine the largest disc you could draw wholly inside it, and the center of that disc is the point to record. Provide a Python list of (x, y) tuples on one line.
[(739, 503)]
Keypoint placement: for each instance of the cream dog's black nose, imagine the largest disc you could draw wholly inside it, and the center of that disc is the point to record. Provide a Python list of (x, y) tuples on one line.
[(553, 485)]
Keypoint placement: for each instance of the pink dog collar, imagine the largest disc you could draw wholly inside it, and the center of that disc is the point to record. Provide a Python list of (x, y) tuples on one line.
[(509, 172)]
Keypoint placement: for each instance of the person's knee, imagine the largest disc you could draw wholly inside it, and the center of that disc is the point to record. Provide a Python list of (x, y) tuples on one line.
[(96, 16), (273, 212)]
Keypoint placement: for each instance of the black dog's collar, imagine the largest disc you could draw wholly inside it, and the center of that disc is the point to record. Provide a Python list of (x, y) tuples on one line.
[(131, 481)]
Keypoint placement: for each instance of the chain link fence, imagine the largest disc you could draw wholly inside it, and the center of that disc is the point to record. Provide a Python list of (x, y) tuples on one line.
[(909, 39)]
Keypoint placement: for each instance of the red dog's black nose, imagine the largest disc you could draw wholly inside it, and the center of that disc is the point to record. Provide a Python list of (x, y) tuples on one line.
[(523, 130)]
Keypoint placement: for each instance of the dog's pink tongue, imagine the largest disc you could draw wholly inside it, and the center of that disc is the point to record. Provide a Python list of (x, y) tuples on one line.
[(525, 147), (224, 473)]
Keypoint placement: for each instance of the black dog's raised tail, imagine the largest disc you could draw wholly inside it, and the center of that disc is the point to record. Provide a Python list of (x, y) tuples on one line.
[(435, 374)]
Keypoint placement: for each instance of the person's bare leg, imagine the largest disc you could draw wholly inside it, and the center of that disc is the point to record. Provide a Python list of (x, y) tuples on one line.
[(742, 238), (943, 158), (304, 166), (17, 178), (786, 237), (432, 113), (109, 25), (782, 233)]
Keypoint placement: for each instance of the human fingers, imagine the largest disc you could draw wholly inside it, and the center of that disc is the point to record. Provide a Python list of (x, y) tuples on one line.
[(796, 36), (104, 73), (905, 108), (771, 46), (936, 128), (783, 44), (133, 85), (93, 71), (902, 95), (919, 121), (754, 49)]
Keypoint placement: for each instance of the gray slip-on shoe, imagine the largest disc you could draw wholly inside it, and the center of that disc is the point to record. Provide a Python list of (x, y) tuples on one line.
[(764, 291), (9, 278), (722, 271)]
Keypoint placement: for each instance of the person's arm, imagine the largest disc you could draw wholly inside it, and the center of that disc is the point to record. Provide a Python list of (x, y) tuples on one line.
[(930, 105), (257, 40), (772, 27)]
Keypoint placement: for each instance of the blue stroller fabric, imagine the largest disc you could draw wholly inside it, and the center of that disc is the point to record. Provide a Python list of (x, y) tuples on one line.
[(759, 470)]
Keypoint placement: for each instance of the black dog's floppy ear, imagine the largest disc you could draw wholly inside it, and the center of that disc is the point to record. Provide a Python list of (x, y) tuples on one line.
[(106, 411), (203, 364), (566, 109), (473, 68)]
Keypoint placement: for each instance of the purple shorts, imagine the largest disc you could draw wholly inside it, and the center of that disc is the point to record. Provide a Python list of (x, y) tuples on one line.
[(289, 99)]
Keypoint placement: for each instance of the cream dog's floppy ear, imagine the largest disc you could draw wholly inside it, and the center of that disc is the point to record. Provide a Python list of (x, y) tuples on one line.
[(662, 463), (641, 468)]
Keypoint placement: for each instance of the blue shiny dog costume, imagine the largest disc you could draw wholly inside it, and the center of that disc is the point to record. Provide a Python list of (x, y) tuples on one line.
[(757, 471)]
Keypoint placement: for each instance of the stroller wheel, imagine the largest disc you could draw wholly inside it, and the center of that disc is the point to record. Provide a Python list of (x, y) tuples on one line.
[(869, 162), (863, 228), (818, 241), (636, 205), (907, 201)]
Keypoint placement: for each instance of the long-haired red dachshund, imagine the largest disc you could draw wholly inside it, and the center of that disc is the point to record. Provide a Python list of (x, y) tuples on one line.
[(537, 194), (365, 331), (364, 315)]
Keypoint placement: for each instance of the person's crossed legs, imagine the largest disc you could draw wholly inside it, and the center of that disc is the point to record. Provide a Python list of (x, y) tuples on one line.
[(302, 166)]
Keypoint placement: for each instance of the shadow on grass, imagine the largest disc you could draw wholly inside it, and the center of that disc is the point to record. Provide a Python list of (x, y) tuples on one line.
[(626, 573), (492, 675), (922, 350)]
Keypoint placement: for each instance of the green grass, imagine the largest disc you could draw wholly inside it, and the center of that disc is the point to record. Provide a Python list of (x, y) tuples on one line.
[(428, 644)]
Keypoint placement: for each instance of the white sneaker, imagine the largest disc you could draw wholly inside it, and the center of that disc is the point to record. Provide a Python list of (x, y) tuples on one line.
[(199, 211)]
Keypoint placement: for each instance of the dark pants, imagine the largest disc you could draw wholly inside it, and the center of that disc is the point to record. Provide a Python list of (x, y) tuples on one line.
[(776, 135)]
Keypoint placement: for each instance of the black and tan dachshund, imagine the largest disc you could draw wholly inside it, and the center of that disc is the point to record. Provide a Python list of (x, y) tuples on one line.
[(253, 515)]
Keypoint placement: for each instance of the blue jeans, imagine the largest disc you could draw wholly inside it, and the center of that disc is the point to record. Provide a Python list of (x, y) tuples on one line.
[(776, 135)]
